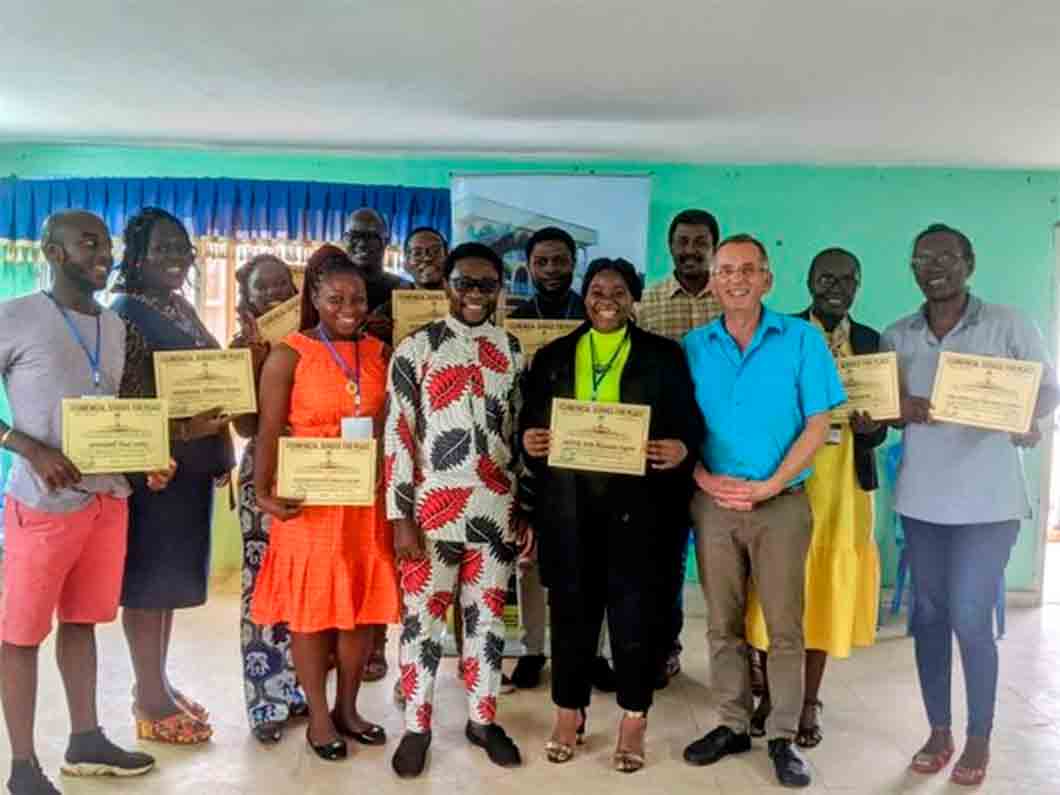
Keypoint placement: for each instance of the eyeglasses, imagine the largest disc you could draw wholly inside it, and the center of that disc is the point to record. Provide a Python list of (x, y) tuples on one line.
[(727, 272), (175, 251), (945, 260), (827, 281), (463, 284)]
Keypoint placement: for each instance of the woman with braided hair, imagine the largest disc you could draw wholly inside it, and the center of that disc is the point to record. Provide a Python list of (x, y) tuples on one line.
[(168, 559), (329, 571)]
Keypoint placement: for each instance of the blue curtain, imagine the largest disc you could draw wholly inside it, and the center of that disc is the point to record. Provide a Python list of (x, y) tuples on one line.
[(224, 207)]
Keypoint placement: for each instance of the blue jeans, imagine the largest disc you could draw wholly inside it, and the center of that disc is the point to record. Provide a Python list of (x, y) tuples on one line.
[(955, 570)]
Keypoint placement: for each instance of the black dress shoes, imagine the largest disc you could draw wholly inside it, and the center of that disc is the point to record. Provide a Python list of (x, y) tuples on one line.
[(792, 770), (715, 745)]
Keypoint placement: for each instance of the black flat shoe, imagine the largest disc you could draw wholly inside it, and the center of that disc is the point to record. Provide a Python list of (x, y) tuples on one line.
[(373, 735), (410, 758), (716, 745), (268, 733), (497, 744), (792, 770), (334, 751)]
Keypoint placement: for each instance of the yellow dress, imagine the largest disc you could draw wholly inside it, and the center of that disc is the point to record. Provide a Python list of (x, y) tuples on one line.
[(843, 564)]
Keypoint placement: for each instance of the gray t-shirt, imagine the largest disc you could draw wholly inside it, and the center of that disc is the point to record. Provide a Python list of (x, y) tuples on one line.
[(42, 363), (955, 474)]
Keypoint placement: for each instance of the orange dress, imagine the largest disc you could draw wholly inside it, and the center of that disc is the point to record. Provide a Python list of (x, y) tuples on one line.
[(331, 567)]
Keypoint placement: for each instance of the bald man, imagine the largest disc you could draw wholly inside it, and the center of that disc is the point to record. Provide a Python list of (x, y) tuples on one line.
[(65, 532), (366, 240)]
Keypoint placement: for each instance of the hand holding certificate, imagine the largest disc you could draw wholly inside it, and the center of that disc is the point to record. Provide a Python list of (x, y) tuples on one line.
[(599, 437), (414, 309), (871, 384), (198, 380), (533, 335), (113, 435), (986, 392), (285, 319), (327, 471)]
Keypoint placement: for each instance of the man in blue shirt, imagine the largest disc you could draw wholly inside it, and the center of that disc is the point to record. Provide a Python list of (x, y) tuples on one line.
[(766, 384)]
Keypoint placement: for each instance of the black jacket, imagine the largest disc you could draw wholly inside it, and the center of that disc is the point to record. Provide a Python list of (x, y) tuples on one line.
[(863, 340), (650, 513)]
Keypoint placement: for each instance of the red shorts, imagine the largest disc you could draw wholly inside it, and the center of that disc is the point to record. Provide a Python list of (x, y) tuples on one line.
[(67, 562)]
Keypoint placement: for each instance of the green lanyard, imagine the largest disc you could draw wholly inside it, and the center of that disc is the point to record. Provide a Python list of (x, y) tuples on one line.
[(600, 371)]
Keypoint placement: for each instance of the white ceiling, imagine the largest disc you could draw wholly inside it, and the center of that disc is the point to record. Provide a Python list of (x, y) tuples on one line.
[(963, 82)]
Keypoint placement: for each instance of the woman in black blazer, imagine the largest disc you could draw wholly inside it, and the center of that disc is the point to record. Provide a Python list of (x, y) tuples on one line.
[(610, 542)]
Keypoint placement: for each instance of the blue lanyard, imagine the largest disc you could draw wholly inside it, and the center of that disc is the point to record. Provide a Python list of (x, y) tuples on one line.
[(93, 358), (353, 377)]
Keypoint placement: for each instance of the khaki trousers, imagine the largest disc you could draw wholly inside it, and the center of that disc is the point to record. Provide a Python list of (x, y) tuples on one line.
[(770, 545)]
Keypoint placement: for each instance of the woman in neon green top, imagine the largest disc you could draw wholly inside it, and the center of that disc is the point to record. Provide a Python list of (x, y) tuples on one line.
[(610, 542)]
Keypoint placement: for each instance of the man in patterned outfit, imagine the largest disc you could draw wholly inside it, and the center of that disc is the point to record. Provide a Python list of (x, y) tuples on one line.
[(450, 475)]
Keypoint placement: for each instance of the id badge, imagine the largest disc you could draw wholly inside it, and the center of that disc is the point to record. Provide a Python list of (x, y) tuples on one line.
[(835, 434), (356, 428)]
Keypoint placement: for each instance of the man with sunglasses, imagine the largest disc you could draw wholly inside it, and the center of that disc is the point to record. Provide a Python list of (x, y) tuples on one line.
[(450, 484), (366, 239), (766, 384)]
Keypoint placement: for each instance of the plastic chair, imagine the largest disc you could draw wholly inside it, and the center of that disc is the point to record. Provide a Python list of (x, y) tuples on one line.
[(891, 463)]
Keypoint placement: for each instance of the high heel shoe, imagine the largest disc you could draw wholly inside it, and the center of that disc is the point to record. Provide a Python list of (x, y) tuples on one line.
[(626, 761), (334, 751), (557, 752)]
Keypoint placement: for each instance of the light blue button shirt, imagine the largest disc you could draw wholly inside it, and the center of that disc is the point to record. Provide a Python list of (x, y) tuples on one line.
[(954, 474), (756, 402)]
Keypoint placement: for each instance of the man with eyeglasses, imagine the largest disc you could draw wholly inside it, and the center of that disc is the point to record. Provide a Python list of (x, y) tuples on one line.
[(450, 489), (960, 493), (672, 308), (766, 384), (366, 238), (66, 532)]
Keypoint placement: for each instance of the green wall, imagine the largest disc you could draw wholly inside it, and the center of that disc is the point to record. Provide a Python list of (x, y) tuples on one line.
[(796, 210)]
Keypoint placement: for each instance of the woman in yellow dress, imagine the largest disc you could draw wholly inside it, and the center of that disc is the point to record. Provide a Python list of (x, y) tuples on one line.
[(843, 565)]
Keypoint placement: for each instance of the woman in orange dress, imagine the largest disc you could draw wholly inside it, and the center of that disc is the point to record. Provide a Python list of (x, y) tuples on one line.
[(329, 571)]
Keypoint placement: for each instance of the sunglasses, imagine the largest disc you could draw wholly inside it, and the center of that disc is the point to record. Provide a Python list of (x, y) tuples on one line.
[(463, 284)]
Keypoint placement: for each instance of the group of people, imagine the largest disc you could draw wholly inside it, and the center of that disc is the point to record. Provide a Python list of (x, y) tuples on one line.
[(745, 452)]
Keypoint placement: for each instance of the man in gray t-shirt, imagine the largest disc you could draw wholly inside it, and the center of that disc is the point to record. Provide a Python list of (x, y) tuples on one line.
[(960, 493), (65, 533)]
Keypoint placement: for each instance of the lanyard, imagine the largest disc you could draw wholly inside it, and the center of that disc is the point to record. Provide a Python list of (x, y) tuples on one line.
[(93, 358), (353, 377), (600, 371)]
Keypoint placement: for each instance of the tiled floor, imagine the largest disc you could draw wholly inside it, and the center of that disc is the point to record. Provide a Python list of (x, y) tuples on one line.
[(873, 723)]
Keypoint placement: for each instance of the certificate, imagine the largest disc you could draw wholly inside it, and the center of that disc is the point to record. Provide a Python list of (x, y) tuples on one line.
[(199, 380), (282, 320), (114, 435), (871, 384), (327, 471), (985, 392), (599, 437), (414, 309), (536, 334)]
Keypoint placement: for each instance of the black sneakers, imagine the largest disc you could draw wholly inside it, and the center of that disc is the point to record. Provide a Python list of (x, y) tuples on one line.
[(92, 754), (28, 779), (498, 745)]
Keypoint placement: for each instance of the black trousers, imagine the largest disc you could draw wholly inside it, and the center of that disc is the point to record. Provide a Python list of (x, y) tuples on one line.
[(634, 603)]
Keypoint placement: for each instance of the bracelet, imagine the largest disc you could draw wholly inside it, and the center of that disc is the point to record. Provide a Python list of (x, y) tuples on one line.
[(5, 436)]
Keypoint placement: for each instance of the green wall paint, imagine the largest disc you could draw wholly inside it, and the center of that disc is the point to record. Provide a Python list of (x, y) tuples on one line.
[(796, 210)]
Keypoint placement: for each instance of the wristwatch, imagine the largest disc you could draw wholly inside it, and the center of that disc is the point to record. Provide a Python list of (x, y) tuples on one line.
[(5, 436)]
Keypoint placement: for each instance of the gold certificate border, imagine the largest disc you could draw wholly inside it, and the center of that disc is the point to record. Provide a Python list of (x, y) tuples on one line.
[(246, 366), (893, 410), (282, 486), (152, 466), (553, 460), (942, 385)]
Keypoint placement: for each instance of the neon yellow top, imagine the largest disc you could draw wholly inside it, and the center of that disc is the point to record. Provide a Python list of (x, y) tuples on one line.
[(606, 345)]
